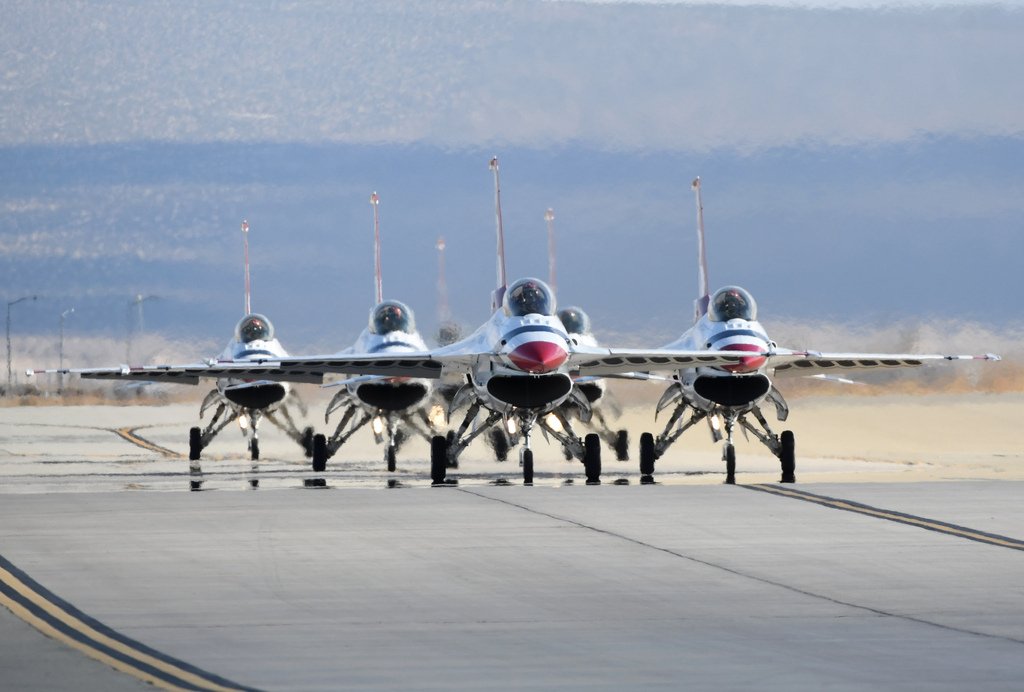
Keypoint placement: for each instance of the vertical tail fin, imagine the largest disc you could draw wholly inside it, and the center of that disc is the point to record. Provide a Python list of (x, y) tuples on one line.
[(549, 216), (377, 275), (248, 286), (700, 306), (499, 293)]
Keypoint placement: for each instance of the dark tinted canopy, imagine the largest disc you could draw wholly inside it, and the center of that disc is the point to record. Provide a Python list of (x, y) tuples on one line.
[(574, 320), (529, 297), (254, 327), (391, 316), (732, 303)]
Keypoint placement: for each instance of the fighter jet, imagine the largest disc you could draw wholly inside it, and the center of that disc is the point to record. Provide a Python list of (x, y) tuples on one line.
[(728, 395)]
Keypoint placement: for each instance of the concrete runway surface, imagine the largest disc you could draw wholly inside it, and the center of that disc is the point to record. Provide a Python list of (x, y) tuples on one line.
[(829, 583)]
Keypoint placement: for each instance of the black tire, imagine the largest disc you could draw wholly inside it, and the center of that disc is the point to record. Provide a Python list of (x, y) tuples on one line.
[(307, 442), (391, 452), (195, 444), (500, 443), (254, 449), (527, 467), (647, 457), (730, 464), (787, 456), (438, 459), (319, 453), (622, 445), (592, 457)]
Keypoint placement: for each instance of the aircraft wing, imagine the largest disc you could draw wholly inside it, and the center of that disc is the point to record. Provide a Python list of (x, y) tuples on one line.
[(190, 373), (582, 362), (610, 362), (802, 362), (421, 364)]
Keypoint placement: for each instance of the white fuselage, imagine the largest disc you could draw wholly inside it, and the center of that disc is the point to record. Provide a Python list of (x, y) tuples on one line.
[(594, 387), (389, 394), (740, 386), (520, 362), (254, 394)]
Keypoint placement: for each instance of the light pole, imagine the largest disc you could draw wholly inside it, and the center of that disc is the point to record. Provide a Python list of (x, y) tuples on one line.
[(60, 381), (10, 381), (136, 303)]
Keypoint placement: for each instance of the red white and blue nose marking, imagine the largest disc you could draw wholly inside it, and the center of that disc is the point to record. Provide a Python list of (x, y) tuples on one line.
[(536, 352), (743, 341)]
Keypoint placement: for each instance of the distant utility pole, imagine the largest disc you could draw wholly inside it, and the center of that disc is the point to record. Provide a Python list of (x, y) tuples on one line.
[(60, 375), (10, 379)]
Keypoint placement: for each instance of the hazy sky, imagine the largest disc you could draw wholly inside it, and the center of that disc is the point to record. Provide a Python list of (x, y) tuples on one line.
[(862, 160)]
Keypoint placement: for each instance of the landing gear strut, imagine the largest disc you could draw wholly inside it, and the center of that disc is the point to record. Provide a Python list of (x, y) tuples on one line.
[(782, 446)]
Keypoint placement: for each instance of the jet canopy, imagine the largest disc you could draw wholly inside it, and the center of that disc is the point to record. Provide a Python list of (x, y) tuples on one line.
[(529, 297), (574, 320), (732, 303), (392, 316), (254, 327)]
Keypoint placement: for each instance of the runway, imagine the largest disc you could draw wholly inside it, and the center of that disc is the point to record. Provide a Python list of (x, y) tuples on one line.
[(687, 583)]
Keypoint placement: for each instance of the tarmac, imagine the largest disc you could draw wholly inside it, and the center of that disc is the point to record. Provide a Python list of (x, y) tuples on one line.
[(115, 575)]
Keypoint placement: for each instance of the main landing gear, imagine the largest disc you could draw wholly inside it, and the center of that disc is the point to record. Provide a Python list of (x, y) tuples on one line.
[(445, 450), (248, 420), (389, 429), (782, 445)]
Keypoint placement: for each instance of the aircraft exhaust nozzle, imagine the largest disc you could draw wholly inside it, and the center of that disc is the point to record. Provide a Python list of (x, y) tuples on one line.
[(538, 356)]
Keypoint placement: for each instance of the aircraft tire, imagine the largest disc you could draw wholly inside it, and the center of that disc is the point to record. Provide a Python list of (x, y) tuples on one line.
[(646, 455), (391, 454), (254, 449), (195, 444), (319, 453), (592, 458), (622, 445), (307, 442), (527, 467), (787, 456), (730, 464), (438, 459), (500, 444)]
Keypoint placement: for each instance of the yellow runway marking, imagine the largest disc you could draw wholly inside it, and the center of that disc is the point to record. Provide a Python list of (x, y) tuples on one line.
[(54, 618), (889, 515), (129, 434)]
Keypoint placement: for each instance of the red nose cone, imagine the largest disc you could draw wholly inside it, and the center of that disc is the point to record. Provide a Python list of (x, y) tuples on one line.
[(538, 356), (746, 363)]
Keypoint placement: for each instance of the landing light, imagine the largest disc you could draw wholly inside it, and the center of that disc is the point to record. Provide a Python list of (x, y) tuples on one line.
[(553, 422), (243, 422), (436, 417), (378, 425), (716, 424), (510, 425)]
